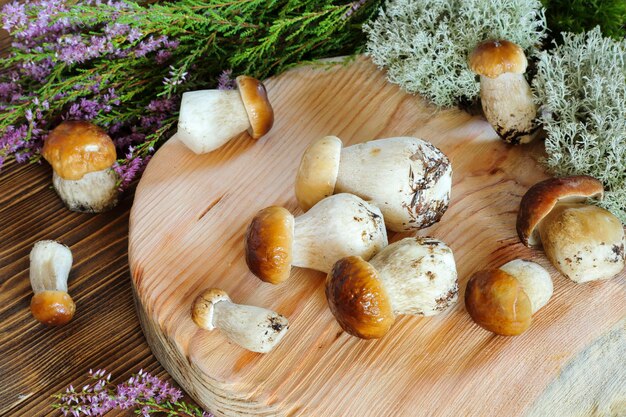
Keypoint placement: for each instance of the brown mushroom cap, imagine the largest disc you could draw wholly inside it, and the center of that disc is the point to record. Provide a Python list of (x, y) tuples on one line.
[(269, 244), (76, 148), (497, 302), (495, 57), (53, 308), (541, 198), (202, 308), (258, 107), (357, 298)]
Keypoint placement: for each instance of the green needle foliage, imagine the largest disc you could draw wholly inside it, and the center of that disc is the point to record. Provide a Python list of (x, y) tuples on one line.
[(579, 15)]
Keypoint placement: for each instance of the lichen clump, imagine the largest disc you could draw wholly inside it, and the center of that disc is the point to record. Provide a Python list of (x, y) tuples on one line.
[(424, 45), (581, 86)]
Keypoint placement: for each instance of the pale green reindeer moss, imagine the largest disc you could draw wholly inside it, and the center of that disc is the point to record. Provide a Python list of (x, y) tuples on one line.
[(581, 86), (424, 44)]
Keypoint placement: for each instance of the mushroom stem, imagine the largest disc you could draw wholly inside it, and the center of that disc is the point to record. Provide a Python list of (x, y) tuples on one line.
[(50, 264), (254, 328), (508, 105), (210, 118), (95, 192)]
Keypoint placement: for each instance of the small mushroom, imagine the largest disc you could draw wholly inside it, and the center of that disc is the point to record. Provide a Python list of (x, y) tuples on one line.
[(50, 264), (82, 155), (412, 276), (407, 178), (210, 118), (584, 242), (254, 328), (506, 97), (503, 300), (337, 226)]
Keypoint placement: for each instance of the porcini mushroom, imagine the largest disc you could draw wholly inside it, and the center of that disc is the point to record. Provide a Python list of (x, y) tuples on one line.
[(503, 300), (337, 226), (407, 178), (505, 95), (254, 328), (584, 242), (412, 276), (50, 264), (210, 118), (81, 155)]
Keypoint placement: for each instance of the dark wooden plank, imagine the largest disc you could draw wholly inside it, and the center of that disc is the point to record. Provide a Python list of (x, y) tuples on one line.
[(36, 361)]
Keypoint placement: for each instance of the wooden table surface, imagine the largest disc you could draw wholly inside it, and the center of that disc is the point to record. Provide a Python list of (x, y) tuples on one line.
[(37, 361)]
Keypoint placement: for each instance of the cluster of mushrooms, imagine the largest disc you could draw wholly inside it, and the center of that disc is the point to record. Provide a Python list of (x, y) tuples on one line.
[(348, 207)]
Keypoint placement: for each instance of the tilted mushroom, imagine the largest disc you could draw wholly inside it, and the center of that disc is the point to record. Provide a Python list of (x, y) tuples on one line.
[(506, 97), (412, 276), (503, 300), (50, 264), (337, 226), (210, 118), (407, 178), (81, 155), (584, 242), (254, 328)]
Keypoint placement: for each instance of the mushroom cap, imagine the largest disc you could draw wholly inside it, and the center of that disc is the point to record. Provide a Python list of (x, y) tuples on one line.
[(358, 299), (258, 107), (76, 148), (203, 307), (269, 244), (53, 308), (541, 198), (497, 302), (584, 242), (493, 58), (534, 279), (317, 173)]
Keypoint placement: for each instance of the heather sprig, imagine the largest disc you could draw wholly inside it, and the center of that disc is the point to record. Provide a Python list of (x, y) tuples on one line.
[(144, 393), (124, 65)]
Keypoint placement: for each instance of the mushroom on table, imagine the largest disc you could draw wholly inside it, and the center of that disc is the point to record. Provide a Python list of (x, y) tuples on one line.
[(412, 276), (338, 226), (210, 118), (583, 241), (409, 179)]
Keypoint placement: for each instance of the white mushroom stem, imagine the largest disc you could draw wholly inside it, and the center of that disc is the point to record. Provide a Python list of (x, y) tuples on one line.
[(95, 192), (584, 242), (50, 264), (254, 328), (210, 118), (508, 105), (534, 279), (338, 226), (419, 274)]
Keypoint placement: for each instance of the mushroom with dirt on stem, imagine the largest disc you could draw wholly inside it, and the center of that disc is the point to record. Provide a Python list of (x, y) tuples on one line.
[(82, 156), (338, 226), (412, 276), (504, 300), (210, 118), (409, 179), (583, 241), (254, 328), (50, 264), (505, 95)]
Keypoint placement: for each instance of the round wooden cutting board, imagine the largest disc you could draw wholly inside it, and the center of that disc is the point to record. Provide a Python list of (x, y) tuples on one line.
[(186, 234)]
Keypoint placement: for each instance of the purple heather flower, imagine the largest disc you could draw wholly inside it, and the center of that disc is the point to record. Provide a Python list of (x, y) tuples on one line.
[(225, 80), (356, 5), (13, 16)]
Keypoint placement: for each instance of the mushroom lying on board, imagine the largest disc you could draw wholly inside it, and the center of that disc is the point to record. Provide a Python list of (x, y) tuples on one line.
[(407, 178), (254, 328), (505, 95), (584, 242), (50, 264), (210, 118), (503, 300), (81, 155), (337, 226), (412, 276)]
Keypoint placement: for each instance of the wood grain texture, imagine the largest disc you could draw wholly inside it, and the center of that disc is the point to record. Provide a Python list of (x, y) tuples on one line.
[(186, 234)]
